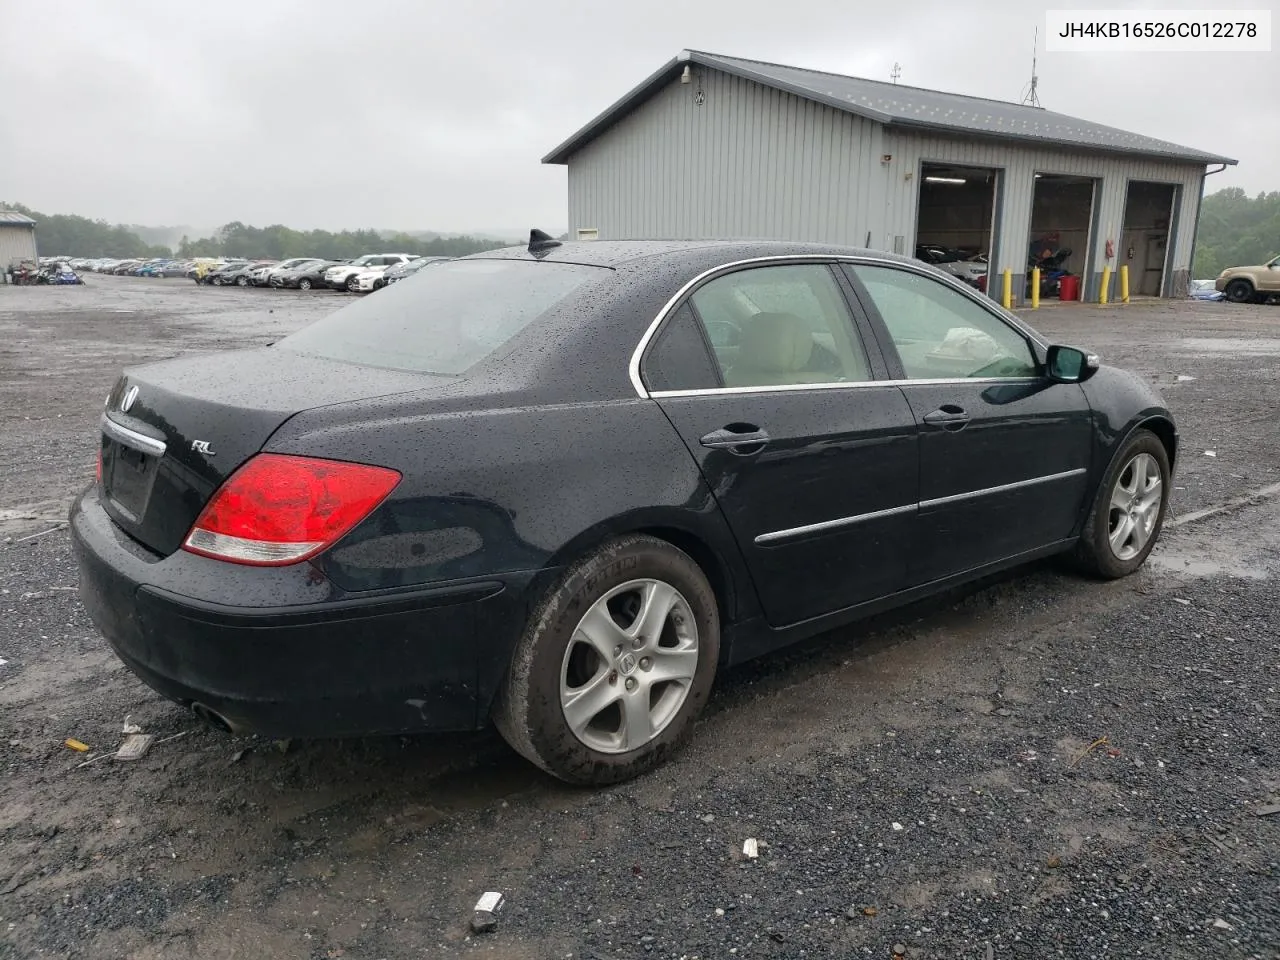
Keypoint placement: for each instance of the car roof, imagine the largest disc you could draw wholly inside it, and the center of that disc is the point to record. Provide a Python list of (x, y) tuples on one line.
[(614, 253)]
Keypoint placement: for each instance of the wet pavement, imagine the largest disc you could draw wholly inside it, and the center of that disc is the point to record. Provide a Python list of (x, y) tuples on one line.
[(1041, 766)]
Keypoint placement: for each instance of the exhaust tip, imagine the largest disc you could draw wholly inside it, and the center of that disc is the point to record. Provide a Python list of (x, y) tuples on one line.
[(212, 717)]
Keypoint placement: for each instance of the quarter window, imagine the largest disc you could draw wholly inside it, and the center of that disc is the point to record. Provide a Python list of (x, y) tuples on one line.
[(679, 359), (780, 325), (941, 334)]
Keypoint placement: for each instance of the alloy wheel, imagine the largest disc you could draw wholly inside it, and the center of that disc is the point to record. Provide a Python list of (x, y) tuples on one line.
[(629, 666), (1135, 506)]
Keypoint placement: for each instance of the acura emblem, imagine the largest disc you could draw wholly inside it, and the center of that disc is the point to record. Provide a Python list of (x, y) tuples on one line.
[(129, 397)]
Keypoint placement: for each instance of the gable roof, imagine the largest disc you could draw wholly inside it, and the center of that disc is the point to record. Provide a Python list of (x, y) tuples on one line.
[(896, 105), (13, 217)]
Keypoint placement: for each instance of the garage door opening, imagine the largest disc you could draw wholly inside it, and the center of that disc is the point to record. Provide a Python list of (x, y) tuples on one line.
[(1144, 238), (955, 220), (1062, 235)]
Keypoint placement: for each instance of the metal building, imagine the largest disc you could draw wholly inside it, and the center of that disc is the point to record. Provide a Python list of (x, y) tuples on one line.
[(716, 146), (17, 239)]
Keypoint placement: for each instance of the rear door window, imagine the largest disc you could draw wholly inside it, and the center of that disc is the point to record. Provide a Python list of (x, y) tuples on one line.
[(781, 325), (448, 319)]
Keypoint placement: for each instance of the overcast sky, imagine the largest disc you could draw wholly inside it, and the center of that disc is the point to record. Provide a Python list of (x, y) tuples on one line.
[(434, 115)]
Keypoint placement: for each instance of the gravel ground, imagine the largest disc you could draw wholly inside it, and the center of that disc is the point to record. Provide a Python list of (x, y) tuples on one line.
[(936, 780)]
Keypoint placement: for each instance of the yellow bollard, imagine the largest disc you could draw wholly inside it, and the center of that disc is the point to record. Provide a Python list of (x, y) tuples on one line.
[(1035, 288), (1124, 283), (1104, 295), (1006, 298)]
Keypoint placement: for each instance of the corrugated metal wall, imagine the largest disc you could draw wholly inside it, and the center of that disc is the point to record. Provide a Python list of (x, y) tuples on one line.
[(16, 243), (743, 160), (746, 162)]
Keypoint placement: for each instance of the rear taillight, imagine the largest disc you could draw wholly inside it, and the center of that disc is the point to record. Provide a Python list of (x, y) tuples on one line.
[(279, 509)]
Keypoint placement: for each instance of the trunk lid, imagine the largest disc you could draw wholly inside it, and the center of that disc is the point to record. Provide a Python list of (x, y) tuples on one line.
[(173, 431)]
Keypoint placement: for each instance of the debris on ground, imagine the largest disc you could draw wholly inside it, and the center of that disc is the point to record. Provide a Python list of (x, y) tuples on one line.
[(1220, 924), (76, 745), (129, 726), (1267, 811), (899, 949), (238, 756), (897, 825), (483, 917), (750, 848), (1185, 603), (1210, 453), (135, 746)]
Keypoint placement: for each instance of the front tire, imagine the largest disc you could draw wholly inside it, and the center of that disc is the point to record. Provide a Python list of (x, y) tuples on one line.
[(242, 281), (1128, 509), (352, 285), (1239, 291), (304, 284), (615, 663)]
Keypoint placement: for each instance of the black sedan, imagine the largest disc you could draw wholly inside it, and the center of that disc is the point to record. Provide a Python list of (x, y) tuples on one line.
[(559, 486), (304, 276), (236, 274)]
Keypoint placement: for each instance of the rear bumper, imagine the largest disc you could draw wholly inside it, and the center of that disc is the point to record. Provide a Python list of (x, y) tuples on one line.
[(282, 651)]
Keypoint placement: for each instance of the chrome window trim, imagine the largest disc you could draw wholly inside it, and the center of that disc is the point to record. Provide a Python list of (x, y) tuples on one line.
[(843, 384), (131, 438), (790, 532), (776, 535), (924, 269), (987, 491)]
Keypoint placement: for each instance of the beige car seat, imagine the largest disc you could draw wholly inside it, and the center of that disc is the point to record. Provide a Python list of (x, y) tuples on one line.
[(775, 349)]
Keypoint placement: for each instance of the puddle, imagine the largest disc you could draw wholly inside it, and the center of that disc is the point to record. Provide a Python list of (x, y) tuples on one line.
[(1185, 566), (1253, 347)]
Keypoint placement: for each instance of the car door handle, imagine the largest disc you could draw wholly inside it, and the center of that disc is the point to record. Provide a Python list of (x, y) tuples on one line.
[(948, 417), (736, 438)]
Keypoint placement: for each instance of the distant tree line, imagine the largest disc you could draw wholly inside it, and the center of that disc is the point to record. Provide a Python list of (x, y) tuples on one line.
[(73, 236), (1236, 230), (279, 242), (66, 234)]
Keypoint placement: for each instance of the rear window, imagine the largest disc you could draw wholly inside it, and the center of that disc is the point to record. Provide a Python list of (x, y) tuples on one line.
[(442, 321)]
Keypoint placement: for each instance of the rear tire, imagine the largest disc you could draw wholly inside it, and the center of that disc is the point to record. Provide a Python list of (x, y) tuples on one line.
[(1239, 291), (556, 666), (1128, 509)]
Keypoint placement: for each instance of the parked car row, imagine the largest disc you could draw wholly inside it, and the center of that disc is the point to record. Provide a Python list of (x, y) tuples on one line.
[(356, 275), (360, 275), (154, 267)]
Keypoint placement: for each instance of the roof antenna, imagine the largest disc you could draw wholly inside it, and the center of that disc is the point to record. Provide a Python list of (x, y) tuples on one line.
[(896, 72), (1029, 96), (541, 240)]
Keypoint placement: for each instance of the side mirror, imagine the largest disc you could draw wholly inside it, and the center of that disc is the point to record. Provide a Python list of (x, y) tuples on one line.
[(1070, 365)]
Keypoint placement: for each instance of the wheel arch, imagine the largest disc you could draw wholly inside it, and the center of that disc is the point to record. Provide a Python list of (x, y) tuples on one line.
[(1165, 431), (686, 532)]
